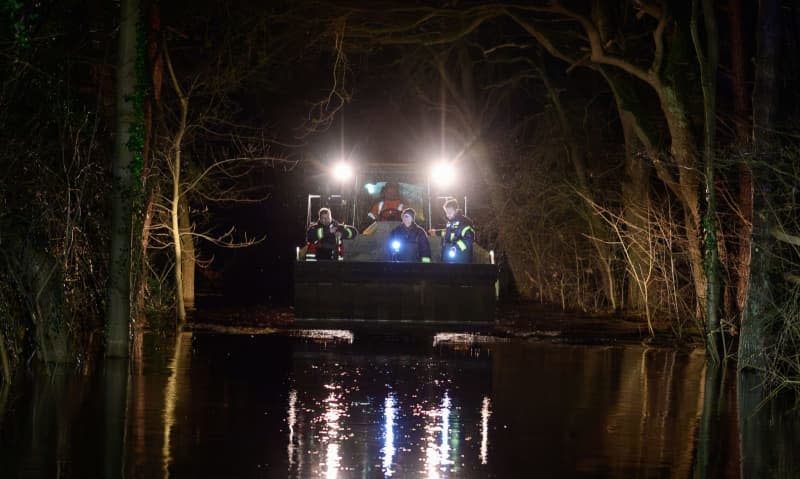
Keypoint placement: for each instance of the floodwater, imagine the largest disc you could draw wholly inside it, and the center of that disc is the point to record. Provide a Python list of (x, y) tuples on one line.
[(333, 404)]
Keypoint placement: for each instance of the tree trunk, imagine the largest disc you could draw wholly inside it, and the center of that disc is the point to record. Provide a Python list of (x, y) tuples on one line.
[(708, 59), (180, 308), (687, 186), (635, 208), (753, 423), (115, 400), (708, 435), (745, 235), (738, 72), (5, 365), (744, 138), (752, 340), (147, 221), (176, 189), (119, 307), (155, 59), (187, 258), (639, 151)]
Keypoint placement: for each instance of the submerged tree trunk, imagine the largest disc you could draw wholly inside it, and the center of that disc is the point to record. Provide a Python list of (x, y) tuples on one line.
[(155, 76), (687, 185), (175, 168), (753, 336), (639, 151), (119, 307), (115, 400), (708, 437), (707, 56), (635, 208), (147, 221), (743, 140), (187, 257), (180, 308)]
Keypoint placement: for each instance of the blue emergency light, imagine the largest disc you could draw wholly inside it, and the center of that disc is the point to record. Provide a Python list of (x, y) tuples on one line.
[(451, 253), (396, 245)]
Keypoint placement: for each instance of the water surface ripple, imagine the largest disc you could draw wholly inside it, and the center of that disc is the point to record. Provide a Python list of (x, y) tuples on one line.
[(339, 405)]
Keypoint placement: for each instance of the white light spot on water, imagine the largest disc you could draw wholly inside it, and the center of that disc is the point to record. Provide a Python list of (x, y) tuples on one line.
[(485, 413), (324, 335), (389, 412)]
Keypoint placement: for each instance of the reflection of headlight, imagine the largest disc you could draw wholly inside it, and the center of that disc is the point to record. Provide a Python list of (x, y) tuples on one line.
[(396, 245)]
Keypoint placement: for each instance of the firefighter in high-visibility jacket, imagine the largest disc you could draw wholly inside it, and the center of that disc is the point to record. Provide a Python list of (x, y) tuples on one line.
[(458, 236), (324, 238)]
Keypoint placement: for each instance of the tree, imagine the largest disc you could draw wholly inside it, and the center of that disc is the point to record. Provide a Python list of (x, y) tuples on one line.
[(53, 181), (206, 147), (708, 59), (119, 306), (663, 73), (752, 342)]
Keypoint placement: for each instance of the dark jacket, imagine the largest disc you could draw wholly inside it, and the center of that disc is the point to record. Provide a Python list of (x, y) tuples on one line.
[(322, 242), (412, 244), (457, 240)]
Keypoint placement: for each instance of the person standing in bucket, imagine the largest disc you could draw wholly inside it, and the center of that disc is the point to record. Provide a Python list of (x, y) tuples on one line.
[(408, 242), (324, 238), (459, 235)]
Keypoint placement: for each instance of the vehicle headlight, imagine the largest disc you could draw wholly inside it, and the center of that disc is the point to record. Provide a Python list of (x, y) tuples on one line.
[(443, 173), (342, 171)]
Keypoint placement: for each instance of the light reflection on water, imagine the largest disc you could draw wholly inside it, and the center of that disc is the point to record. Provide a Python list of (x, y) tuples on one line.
[(438, 445), (291, 421), (389, 411), (437, 455), (332, 413), (171, 397), (323, 335), (485, 413), (320, 405)]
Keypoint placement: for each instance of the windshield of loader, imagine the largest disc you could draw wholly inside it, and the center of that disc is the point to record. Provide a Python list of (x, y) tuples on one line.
[(384, 200)]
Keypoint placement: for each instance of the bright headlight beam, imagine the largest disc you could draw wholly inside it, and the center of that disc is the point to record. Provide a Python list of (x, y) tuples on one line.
[(342, 171), (443, 173)]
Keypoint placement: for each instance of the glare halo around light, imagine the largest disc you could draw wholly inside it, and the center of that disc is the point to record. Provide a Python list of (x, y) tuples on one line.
[(342, 171), (443, 173)]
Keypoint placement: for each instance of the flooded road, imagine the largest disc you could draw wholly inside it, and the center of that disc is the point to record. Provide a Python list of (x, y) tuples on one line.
[(335, 404)]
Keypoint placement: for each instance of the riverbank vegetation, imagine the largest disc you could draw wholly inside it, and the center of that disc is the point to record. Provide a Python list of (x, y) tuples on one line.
[(627, 158)]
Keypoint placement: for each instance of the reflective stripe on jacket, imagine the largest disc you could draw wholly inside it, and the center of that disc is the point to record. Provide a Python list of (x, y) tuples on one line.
[(458, 238), (322, 239)]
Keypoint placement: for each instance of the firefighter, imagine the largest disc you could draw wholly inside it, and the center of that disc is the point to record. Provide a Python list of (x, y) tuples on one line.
[(390, 206), (324, 238), (458, 236), (408, 242)]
